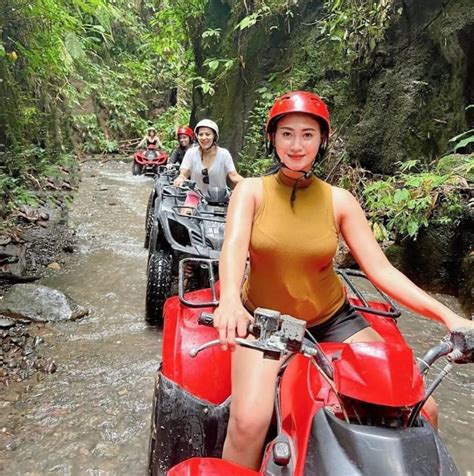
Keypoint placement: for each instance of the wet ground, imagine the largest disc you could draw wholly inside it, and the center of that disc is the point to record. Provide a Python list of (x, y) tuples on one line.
[(92, 416)]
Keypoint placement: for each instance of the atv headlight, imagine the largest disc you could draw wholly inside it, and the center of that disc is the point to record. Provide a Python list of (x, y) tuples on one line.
[(179, 233)]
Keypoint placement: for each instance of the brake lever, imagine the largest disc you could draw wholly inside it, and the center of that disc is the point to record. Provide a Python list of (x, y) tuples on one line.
[(195, 351), (268, 352)]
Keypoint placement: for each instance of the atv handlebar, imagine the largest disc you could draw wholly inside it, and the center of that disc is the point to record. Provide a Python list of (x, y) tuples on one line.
[(458, 347), (168, 171), (278, 334), (206, 319), (462, 342), (275, 335)]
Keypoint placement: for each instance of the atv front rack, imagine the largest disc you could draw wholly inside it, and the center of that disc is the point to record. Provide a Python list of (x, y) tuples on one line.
[(345, 274), (204, 263)]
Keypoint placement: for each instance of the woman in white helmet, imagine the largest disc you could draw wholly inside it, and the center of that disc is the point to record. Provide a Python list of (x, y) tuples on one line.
[(208, 164)]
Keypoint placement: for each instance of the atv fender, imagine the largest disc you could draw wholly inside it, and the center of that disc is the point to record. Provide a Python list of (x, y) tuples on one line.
[(206, 376)]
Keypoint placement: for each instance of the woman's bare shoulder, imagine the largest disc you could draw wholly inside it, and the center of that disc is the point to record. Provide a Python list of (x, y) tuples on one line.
[(250, 185), (249, 189), (344, 205), (342, 197)]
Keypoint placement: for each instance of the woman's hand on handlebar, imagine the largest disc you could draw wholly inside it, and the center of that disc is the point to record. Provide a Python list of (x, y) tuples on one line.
[(231, 319), (179, 180)]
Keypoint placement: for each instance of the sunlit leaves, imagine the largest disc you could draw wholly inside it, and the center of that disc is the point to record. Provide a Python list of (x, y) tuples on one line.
[(357, 26), (74, 46), (404, 203), (253, 18), (463, 140)]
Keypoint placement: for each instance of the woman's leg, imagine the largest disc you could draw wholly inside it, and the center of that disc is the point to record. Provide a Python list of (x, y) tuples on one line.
[(364, 335), (251, 408)]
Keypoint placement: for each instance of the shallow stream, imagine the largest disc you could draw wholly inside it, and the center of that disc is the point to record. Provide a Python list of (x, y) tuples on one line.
[(92, 416)]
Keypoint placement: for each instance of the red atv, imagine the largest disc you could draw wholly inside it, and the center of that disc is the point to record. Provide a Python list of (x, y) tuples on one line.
[(147, 161), (340, 409)]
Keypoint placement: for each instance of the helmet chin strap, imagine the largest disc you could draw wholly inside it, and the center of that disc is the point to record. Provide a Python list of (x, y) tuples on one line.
[(306, 174)]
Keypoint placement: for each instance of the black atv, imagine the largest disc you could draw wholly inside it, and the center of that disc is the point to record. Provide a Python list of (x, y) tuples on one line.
[(178, 231), (164, 177)]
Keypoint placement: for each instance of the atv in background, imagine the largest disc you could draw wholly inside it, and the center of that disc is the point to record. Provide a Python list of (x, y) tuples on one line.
[(147, 161), (165, 176), (179, 230)]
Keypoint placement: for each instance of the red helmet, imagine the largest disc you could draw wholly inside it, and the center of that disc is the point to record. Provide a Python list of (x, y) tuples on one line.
[(186, 131), (299, 101)]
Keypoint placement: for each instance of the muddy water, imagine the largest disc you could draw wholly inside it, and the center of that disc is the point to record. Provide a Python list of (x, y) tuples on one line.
[(92, 416)]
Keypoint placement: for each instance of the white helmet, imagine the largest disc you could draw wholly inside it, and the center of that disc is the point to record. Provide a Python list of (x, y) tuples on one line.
[(207, 123)]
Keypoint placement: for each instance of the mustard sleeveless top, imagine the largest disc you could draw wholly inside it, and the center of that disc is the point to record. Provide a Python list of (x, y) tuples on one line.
[(292, 250)]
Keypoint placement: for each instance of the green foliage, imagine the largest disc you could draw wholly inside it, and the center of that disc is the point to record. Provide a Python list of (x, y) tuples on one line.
[(253, 18), (462, 142), (401, 205), (167, 123), (14, 194), (93, 70), (177, 23), (253, 157), (209, 35), (357, 26), (24, 174)]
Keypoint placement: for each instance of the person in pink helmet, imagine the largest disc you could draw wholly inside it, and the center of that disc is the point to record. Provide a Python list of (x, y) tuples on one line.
[(151, 138)]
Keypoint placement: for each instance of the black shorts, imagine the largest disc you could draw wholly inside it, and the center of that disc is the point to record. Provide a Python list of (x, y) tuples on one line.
[(345, 323)]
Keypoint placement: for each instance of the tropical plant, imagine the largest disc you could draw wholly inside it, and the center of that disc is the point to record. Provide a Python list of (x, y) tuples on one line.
[(416, 196), (465, 139), (253, 158)]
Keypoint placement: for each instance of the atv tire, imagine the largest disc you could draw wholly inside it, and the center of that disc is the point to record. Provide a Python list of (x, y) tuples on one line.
[(136, 169), (158, 286), (150, 210)]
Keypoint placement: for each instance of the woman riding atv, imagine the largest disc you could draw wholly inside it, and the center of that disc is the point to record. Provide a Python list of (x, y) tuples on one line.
[(289, 222), (151, 138), (208, 164), (185, 136)]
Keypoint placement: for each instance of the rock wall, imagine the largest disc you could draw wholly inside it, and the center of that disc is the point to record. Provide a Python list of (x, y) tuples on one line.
[(405, 103), (414, 96)]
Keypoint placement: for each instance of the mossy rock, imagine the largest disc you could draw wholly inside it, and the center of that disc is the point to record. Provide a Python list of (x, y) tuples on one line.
[(414, 96)]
